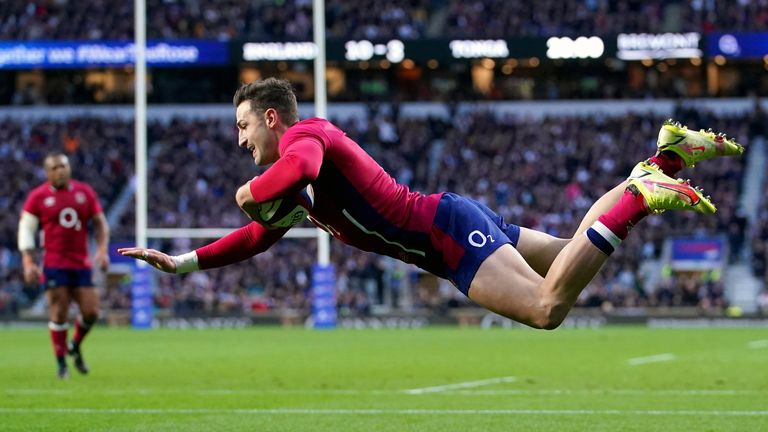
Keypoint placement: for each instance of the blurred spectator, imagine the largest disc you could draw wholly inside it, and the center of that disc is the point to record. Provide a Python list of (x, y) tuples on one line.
[(369, 19), (100, 151), (543, 175)]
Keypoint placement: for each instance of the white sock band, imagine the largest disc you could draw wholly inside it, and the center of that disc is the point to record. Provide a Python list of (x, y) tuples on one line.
[(57, 327), (607, 234)]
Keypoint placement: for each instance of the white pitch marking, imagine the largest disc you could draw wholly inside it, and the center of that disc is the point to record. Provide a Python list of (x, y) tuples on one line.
[(352, 392), (341, 392), (651, 359), (332, 411), (461, 385), (614, 392), (758, 344)]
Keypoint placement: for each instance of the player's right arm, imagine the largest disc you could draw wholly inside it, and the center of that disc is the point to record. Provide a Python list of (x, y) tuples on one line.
[(237, 246), (28, 224), (297, 167)]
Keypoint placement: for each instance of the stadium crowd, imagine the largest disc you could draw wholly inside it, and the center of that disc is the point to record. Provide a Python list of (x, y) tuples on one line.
[(403, 19), (100, 152), (539, 174)]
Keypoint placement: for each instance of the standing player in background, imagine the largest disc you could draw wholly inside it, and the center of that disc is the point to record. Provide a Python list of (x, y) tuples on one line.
[(525, 275), (63, 207)]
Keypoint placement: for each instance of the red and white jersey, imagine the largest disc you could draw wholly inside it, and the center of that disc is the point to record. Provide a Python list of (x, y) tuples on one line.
[(64, 215), (355, 200)]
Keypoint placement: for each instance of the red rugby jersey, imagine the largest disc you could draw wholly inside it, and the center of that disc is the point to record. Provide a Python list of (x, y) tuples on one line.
[(355, 200), (64, 215)]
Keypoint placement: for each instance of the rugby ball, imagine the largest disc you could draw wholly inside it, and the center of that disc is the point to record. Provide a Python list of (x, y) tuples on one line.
[(288, 211)]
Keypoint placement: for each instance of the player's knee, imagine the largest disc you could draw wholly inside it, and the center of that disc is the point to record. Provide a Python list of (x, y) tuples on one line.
[(550, 315), (58, 316), (90, 317)]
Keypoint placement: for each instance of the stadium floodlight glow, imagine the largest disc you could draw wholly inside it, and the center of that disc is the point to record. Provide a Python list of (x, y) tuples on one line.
[(639, 46), (479, 48), (582, 47), (255, 51)]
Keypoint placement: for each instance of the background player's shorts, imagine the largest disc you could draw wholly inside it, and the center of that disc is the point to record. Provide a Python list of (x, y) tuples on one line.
[(70, 278), (475, 232)]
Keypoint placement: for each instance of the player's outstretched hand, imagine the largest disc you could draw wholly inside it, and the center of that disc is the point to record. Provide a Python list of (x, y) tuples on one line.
[(154, 257)]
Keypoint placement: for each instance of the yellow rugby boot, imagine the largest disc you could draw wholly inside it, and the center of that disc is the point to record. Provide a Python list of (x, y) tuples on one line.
[(694, 146), (662, 192)]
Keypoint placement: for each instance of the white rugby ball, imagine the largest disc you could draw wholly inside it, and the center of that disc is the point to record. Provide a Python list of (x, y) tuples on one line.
[(286, 212)]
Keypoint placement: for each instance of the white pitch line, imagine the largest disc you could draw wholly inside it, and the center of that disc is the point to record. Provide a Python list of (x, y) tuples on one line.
[(332, 411), (461, 385), (611, 392), (758, 344), (353, 392), (651, 359)]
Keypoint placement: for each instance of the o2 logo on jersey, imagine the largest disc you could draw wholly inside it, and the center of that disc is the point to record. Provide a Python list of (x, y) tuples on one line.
[(478, 239), (68, 219)]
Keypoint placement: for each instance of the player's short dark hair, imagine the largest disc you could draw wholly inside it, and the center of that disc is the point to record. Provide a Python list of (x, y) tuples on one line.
[(55, 154), (270, 93)]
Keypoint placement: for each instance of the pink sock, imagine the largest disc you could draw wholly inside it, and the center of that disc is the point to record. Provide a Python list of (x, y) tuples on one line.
[(669, 162), (58, 338), (625, 214)]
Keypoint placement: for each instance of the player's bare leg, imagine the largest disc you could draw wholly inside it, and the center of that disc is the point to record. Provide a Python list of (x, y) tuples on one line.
[(87, 299), (505, 283), (540, 249), (58, 307), (677, 148)]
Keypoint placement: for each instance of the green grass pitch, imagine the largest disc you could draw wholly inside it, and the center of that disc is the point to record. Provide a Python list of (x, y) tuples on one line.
[(432, 379)]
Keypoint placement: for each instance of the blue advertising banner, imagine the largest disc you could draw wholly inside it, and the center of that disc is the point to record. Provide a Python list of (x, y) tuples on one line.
[(76, 54), (323, 296), (697, 254), (141, 297), (737, 45)]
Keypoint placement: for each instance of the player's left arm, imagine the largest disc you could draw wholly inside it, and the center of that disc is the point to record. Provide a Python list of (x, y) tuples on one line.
[(296, 168), (101, 234), (100, 230), (236, 246)]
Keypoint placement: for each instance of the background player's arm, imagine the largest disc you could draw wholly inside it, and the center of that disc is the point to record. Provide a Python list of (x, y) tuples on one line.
[(28, 224), (101, 233), (239, 245)]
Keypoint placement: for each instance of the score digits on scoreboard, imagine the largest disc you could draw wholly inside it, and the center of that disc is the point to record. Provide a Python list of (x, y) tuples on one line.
[(364, 50)]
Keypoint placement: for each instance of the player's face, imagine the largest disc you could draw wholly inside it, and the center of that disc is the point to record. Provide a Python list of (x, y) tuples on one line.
[(256, 132), (58, 171)]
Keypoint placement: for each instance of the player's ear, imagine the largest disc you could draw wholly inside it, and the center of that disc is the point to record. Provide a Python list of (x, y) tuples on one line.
[(271, 117)]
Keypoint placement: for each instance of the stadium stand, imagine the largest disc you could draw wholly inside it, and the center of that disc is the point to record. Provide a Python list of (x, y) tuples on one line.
[(101, 153), (404, 19), (194, 174), (195, 163)]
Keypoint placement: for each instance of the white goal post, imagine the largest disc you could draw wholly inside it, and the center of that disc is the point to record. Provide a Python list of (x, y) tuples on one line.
[(143, 232)]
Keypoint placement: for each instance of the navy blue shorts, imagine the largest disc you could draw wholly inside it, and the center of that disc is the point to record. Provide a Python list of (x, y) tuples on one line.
[(476, 230), (70, 278)]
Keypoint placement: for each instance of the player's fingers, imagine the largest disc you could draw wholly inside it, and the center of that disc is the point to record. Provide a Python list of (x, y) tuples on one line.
[(132, 252)]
